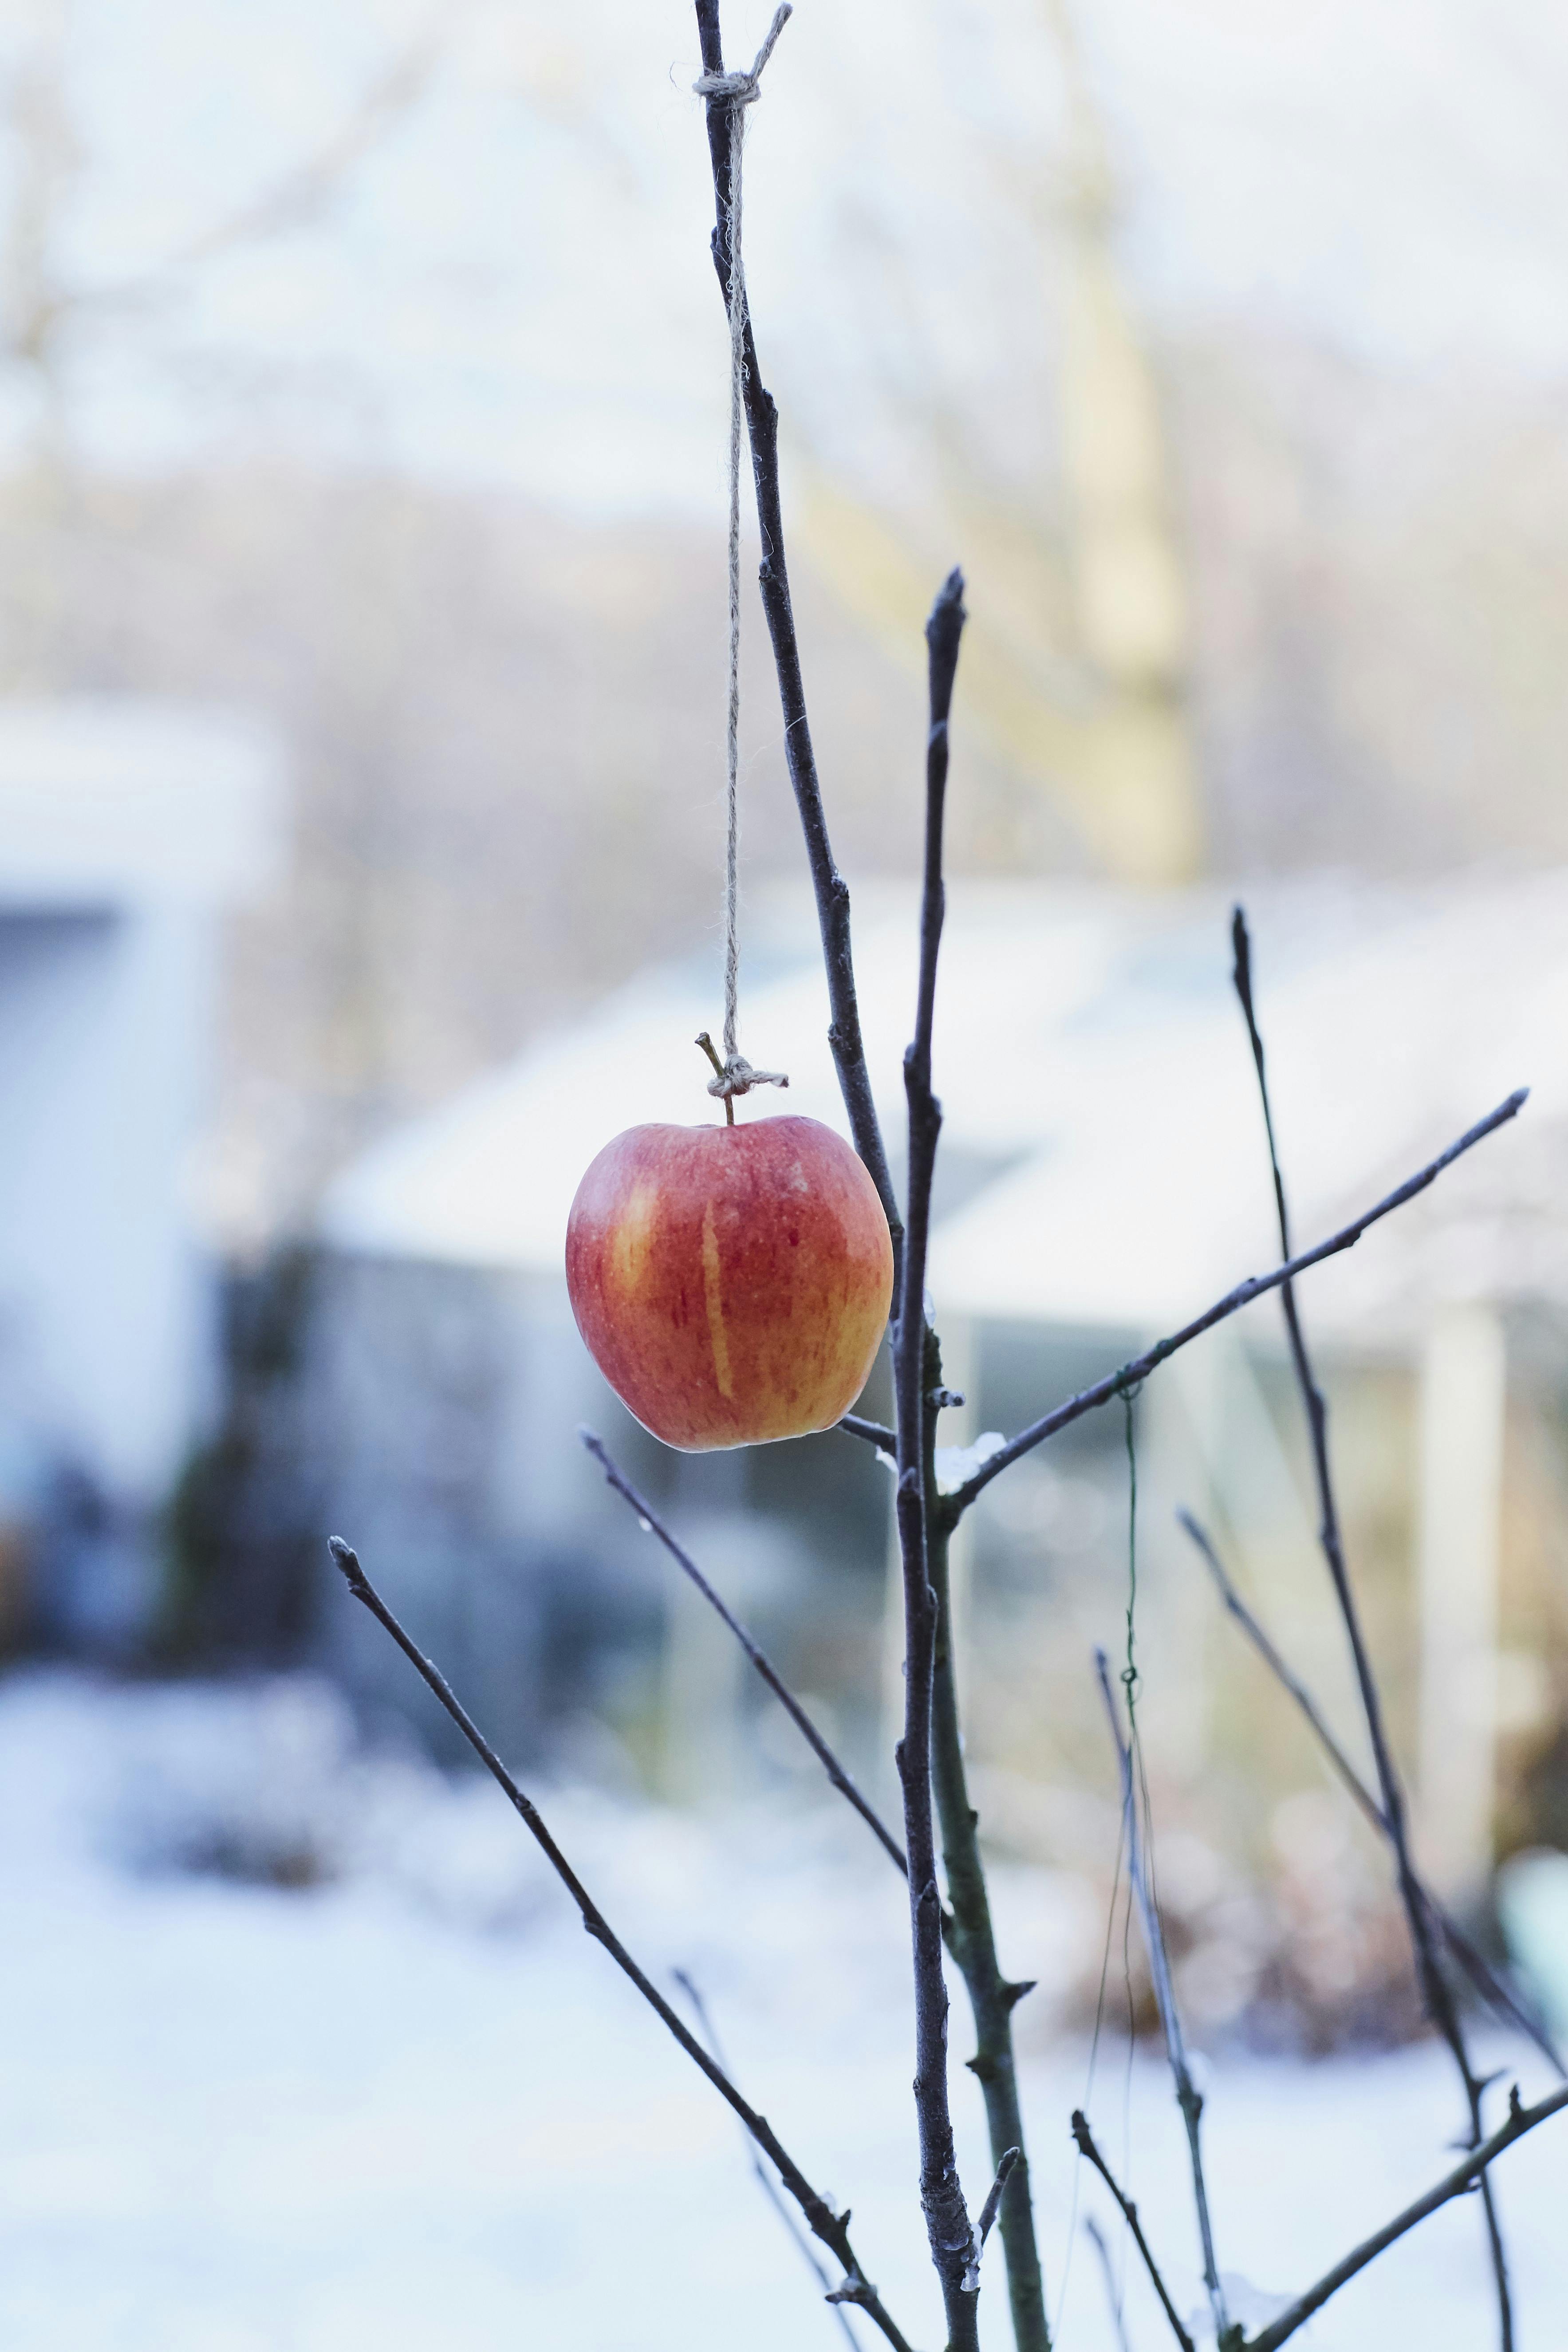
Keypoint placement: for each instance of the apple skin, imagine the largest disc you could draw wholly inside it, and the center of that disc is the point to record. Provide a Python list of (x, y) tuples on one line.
[(731, 1282)]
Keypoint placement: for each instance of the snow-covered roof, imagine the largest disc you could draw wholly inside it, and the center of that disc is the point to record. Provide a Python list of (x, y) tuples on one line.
[(1100, 1105), (109, 799)]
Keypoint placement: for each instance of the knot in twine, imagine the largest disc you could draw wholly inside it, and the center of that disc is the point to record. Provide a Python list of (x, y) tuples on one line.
[(736, 91), (743, 88), (735, 1075)]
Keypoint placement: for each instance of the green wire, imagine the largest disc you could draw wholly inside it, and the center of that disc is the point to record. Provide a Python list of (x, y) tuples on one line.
[(1130, 1671)]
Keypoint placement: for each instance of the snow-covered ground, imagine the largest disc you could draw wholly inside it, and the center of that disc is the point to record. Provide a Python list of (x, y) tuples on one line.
[(410, 2104)]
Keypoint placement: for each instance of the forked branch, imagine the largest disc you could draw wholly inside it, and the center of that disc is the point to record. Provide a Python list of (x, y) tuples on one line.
[(1465, 2175), (822, 2221), (1130, 1374), (1482, 1976), (1436, 1996)]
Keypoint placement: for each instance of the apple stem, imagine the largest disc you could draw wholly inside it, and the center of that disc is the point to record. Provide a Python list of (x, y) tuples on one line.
[(707, 1044)]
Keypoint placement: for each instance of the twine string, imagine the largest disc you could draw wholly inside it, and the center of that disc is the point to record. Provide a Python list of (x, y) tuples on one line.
[(736, 91)]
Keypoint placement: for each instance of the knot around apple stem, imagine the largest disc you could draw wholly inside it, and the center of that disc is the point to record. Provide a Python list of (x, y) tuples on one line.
[(734, 1077)]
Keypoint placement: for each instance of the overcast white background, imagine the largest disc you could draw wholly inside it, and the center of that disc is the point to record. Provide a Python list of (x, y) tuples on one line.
[(513, 286)]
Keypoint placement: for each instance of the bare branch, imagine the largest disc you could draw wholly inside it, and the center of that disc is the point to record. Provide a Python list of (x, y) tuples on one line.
[(1189, 2099), (823, 2221), (948, 2226), (764, 2179), (845, 1040), (967, 1925), (1097, 2239), (1521, 2119), (1481, 1974), (1436, 1996), (1085, 2139), (871, 1431), (989, 2210), (972, 1935), (828, 885), (1116, 1383), (780, 1689)]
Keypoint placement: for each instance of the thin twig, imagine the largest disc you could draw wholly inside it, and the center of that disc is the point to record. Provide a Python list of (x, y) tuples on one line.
[(948, 2227), (1473, 2169), (971, 1939), (821, 2219), (971, 1934), (1097, 2239), (832, 917), (828, 886), (920, 1396), (1189, 2099), (1435, 1994), (1004, 2171), (1116, 1383), (1477, 1968), (780, 1689), (764, 2179), (1085, 2139), (884, 1440)]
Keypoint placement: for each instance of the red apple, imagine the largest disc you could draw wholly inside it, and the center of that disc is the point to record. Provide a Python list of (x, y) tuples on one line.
[(731, 1282)]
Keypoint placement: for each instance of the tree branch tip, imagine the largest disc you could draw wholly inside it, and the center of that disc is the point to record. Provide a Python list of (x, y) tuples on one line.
[(345, 1558), (1014, 1994), (947, 614)]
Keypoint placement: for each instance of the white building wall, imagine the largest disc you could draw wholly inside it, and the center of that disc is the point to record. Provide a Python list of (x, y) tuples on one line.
[(127, 829), (105, 1050)]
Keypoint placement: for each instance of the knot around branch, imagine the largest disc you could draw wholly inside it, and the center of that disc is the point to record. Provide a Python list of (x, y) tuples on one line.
[(743, 88)]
